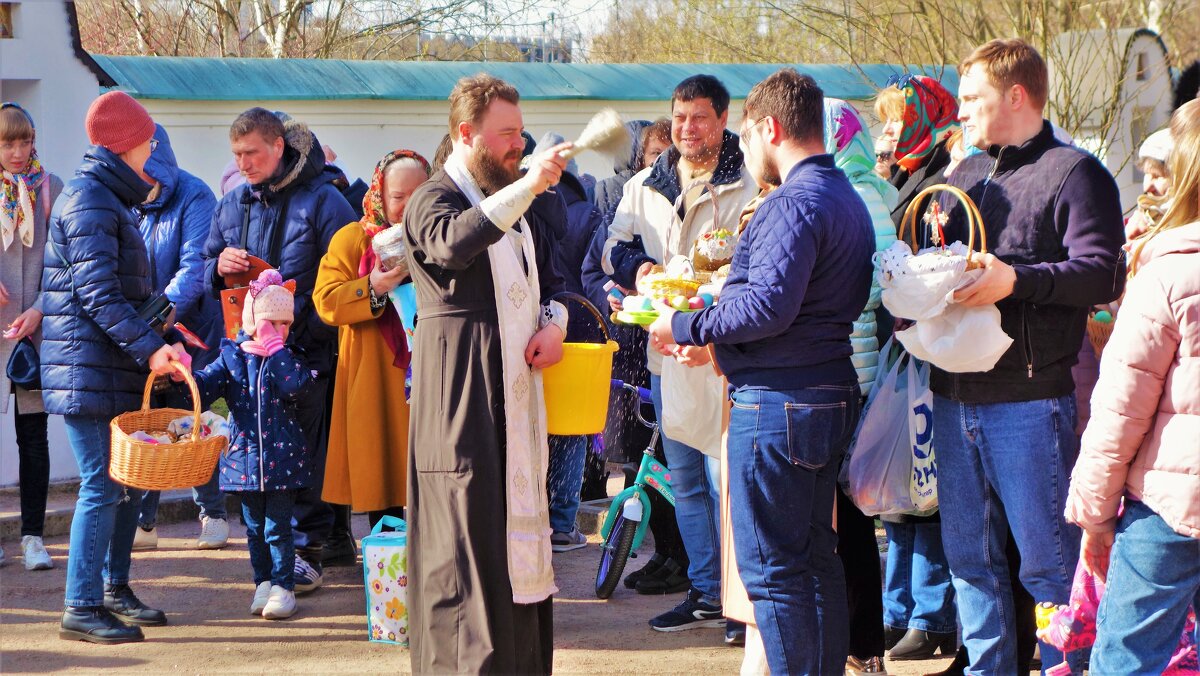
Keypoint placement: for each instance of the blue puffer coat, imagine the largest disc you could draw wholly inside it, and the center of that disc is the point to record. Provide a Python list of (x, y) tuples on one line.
[(95, 348), (174, 226), (315, 211), (261, 393)]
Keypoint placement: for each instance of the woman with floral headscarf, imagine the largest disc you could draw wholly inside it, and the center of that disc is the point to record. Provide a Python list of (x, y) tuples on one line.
[(27, 192), (368, 435), (919, 116), (846, 138)]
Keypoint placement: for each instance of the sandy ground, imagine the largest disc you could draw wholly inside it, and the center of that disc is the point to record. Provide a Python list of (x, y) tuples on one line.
[(207, 595)]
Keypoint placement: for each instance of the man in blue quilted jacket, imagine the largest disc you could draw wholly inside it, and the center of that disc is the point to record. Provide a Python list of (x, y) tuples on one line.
[(801, 273), (288, 199)]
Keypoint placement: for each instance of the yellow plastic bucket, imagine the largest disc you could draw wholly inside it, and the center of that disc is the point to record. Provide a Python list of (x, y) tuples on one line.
[(576, 389)]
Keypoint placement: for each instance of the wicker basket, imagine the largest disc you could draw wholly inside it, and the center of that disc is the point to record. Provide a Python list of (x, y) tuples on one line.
[(666, 287), (908, 224), (1098, 333), (162, 467)]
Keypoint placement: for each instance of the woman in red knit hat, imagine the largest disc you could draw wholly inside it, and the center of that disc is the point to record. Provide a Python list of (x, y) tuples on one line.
[(95, 353)]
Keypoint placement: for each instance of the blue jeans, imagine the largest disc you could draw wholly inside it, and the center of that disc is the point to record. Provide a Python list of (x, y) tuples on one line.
[(917, 593), (313, 518), (694, 481), (1004, 466), (785, 448), (208, 497), (1153, 575), (565, 479), (268, 518), (105, 517)]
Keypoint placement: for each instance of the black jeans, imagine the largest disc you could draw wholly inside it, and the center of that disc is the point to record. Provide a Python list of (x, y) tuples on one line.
[(859, 552), (33, 449)]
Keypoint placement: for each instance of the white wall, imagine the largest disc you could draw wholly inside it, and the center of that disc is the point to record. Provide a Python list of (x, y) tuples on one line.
[(38, 69), (363, 131)]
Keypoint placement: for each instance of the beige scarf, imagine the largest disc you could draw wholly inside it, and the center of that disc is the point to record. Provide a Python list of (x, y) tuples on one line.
[(518, 309)]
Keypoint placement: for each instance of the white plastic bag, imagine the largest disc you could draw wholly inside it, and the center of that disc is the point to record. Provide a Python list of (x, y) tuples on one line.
[(922, 485), (921, 287), (692, 400), (960, 340), (880, 475)]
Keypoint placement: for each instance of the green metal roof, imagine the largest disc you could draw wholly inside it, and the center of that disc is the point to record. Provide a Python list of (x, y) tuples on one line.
[(211, 79)]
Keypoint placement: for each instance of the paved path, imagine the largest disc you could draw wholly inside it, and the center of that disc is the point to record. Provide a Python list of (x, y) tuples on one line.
[(206, 595)]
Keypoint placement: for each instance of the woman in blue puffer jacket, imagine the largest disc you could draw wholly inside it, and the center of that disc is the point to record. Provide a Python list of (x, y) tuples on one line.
[(174, 223), (95, 353)]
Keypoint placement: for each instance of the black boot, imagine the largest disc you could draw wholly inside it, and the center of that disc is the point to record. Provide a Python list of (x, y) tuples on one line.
[(670, 578), (892, 636), (921, 645), (656, 561), (120, 599), (95, 624)]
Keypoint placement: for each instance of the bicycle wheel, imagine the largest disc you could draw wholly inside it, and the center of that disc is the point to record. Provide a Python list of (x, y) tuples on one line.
[(613, 555)]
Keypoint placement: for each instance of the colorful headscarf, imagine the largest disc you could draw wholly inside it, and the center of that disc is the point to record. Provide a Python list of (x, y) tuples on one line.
[(930, 113), (18, 196), (847, 139), (374, 221)]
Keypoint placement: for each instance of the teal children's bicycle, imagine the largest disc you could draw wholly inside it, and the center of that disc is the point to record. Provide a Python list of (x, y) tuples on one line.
[(629, 516)]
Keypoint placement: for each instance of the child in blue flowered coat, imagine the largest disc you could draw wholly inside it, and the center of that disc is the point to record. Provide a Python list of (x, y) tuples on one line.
[(268, 460)]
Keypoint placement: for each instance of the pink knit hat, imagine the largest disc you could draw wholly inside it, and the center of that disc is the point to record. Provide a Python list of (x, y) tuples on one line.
[(269, 299), (118, 122)]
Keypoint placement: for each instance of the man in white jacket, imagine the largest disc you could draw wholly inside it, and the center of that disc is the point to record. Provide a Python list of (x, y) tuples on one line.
[(697, 185)]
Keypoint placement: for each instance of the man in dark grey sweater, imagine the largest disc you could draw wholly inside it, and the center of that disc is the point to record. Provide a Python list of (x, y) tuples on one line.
[(1005, 438)]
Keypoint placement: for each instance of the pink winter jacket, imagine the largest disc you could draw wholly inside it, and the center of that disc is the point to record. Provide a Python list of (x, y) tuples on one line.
[(1144, 436)]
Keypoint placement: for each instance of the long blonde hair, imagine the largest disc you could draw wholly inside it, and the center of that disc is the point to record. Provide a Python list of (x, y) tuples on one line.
[(1184, 164)]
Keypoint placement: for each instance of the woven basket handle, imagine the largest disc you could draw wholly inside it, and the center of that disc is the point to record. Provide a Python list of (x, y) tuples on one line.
[(974, 219), (191, 382)]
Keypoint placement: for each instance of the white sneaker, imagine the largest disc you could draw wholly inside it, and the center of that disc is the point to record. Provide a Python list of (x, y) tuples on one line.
[(34, 551), (145, 539), (261, 594), (281, 604), (214, 533)]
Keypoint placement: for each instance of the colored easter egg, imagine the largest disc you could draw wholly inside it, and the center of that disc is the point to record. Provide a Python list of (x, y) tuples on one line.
[(679, 302), (696, 303), (1104, 316), (706, 297)]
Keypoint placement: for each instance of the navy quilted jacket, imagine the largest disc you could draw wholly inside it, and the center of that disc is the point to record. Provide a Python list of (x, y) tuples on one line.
[(95, 349), (174, 226), (800, 276), (267, 448), (293, 243)]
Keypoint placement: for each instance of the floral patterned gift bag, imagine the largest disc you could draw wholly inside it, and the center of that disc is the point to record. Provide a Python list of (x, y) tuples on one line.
[(385, 573)]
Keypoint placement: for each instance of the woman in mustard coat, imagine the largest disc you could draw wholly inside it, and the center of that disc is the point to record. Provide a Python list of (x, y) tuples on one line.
[(368, 436)]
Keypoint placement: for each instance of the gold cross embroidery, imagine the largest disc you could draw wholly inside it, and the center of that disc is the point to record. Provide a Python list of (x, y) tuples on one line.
[(520, 482), (517, 295), (520, 387)]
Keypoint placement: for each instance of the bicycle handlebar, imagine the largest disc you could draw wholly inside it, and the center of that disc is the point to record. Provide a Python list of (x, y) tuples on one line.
[(643, 394)]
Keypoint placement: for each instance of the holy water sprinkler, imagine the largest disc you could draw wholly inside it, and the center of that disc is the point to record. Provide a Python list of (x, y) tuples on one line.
[(605, 134)]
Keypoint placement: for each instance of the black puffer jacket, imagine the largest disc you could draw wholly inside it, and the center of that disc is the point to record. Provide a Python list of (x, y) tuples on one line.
[(95, 348)]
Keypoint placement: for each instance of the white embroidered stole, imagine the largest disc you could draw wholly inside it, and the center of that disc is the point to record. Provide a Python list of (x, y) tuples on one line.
[(518, 308)]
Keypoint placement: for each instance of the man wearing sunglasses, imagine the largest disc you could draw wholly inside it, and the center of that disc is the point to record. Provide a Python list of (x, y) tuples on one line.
[(800, 275)]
